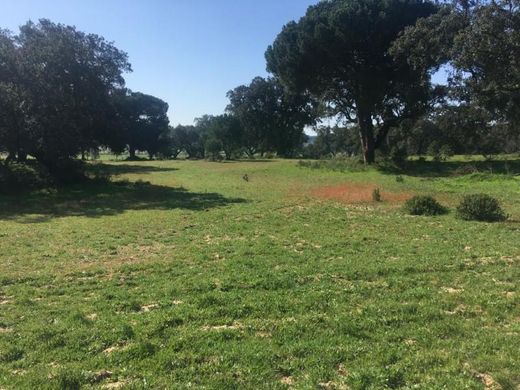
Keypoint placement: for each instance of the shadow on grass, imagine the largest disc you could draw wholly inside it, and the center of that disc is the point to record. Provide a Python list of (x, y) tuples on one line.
[(121, 169), (454, 168), (248, 160), (98, 198)]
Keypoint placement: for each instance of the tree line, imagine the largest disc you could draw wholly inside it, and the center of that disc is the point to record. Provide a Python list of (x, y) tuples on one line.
[(367, 65)]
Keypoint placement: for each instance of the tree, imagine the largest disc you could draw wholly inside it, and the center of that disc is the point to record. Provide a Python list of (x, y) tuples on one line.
[(144, 121), (224, 130), (187, 139), (69, 76), (272, 119), (480, 42), (487, 53), (56, 87), (339, 53), (13, 124)]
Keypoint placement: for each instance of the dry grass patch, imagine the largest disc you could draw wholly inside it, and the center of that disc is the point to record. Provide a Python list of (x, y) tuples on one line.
[(357, 193)]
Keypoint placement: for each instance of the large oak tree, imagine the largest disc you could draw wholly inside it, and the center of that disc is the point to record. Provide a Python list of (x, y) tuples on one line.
[(272, 119)]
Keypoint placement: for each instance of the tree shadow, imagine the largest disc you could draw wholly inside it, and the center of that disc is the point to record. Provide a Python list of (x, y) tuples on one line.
[(248, 160), (437, 169), (96, 199), (121, 169)]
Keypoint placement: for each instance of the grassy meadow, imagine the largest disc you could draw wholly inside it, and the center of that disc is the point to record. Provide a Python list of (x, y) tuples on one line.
[(260, 274)]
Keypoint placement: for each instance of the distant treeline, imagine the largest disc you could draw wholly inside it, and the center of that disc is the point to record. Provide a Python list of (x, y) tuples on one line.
[(365, 64)]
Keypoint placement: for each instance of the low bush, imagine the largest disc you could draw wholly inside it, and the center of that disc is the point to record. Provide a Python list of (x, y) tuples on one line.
[(424, 205), (376, 195), (440, 152), (480, 207)]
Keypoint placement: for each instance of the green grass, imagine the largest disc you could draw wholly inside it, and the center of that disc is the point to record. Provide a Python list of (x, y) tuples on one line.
[(183, 274)]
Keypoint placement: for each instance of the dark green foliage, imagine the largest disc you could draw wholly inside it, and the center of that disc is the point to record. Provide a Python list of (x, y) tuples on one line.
[(398, 155), (487, 52), (69, 379), (186, 139), (213, 147), (143, 120), (19, 177), (440, 152), (480, 207), (66, 108), (339, 53), (11, 354), (272, 119), (424, 205), (221, 133), (333, 142), (480, 43)]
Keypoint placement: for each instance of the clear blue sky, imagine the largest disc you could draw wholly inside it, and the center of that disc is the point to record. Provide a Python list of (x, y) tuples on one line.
[(187, 52)]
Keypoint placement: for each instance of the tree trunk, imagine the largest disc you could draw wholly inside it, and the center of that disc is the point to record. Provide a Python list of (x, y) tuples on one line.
[(366, 134), (131, 152), (21, 156)]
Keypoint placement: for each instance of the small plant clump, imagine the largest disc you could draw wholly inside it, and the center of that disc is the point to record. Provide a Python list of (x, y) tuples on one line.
[(424, 205), (480, 207), (376, 195)]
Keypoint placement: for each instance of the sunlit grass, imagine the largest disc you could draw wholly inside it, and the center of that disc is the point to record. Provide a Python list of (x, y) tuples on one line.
[(195, 277)]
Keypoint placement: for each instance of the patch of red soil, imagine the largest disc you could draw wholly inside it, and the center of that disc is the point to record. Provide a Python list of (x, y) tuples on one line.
[(358, 193)]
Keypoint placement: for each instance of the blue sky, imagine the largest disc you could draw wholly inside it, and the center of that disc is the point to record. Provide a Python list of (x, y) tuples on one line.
[(187, 52)]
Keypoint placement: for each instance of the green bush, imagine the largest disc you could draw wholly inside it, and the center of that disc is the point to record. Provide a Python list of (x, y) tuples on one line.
[(439, 152), (480, 207), (398, 155), (424, 205)]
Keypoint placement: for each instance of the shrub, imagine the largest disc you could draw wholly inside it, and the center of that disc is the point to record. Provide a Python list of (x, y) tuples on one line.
[(480, 207), (466, 169), (445, 152), (398, 155), (376, 195), (424, 205), (439, 152)]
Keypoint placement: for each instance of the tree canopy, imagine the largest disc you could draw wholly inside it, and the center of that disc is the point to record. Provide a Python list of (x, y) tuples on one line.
[(143, 120), (272, 119), (339, 53)]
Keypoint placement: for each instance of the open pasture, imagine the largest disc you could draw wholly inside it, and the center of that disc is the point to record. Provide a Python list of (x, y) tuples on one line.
[(189, 274)]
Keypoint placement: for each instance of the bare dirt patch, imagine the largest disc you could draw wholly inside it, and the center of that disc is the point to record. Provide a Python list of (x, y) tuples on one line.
[(114, 385), (358, 193), (234, 326), (150, 307), (115, 348), (287, 380), (451, 290)]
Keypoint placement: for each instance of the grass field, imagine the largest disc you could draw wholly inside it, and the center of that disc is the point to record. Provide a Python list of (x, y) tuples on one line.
[(185, 275)]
